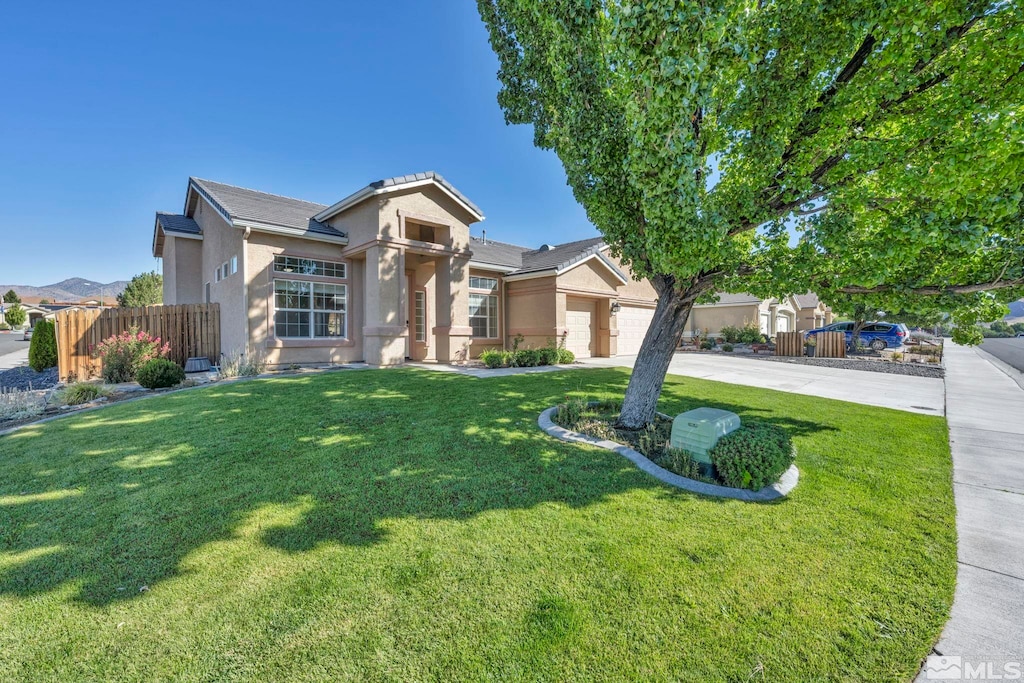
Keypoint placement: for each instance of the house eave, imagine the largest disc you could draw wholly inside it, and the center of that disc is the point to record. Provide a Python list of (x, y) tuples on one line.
[(368, 192), (289, 231)]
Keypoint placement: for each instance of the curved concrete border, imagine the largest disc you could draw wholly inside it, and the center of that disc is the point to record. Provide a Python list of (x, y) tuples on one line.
[(779, 489)]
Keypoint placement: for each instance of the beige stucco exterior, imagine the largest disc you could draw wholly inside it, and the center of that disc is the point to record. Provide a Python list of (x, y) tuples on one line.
[(405, 250)]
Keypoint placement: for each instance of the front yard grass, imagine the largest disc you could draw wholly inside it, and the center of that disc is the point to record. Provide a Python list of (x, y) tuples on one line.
[(412, 525)]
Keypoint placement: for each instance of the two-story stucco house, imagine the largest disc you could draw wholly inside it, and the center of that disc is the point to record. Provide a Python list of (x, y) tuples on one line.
[(388, 273)]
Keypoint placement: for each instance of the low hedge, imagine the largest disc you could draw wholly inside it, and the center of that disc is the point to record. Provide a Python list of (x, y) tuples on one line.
[(527, 358), (160, 373), (753, 456)]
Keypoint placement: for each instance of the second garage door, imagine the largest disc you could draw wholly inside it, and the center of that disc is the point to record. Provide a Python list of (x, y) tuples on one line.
[(633, 322), (579, 321)]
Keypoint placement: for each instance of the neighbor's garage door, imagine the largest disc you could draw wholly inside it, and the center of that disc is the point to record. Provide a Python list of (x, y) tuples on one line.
[(633, 323), (579, 321)]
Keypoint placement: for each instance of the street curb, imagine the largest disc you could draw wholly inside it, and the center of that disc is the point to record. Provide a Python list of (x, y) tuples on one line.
[(778, 490), (1008, 370)]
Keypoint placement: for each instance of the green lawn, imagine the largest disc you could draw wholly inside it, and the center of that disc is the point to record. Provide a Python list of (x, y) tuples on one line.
[(410, 525)]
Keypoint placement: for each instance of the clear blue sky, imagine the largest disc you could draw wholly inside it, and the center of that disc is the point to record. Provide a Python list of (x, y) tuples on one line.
[(106, 109)]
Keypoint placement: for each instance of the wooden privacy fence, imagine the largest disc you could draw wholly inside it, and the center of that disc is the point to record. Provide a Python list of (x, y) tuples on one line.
[(192, 330), (827, 344), (789, 344), (830, 345)]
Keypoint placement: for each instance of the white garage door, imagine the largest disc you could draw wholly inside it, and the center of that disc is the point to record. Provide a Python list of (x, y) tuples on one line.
[(782, 323), (633, 323), (579, 321)]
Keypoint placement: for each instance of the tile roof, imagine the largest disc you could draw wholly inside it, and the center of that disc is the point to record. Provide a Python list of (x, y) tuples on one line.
[(172, 222), (560, 256), (497, 253), (808, 300), (261, 207), (426, 175)]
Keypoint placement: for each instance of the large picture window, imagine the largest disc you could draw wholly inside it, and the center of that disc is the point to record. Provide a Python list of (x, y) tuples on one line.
[(309, 310), (483, 315), (309, 266)]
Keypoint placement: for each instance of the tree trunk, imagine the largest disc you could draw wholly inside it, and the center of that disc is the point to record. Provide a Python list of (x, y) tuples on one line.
[(659, 345)]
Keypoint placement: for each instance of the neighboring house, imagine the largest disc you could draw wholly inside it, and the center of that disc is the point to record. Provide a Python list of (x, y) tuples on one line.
[(37, 312), (801, 312), (388, 273), (811, 312)]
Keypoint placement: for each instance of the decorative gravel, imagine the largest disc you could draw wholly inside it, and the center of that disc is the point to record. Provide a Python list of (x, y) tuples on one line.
[(25, 377), (912, 369)]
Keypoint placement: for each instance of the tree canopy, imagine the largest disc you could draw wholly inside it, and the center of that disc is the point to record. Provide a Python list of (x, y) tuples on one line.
[(145, 289), (15, 315), (855, 149), (11, 297)]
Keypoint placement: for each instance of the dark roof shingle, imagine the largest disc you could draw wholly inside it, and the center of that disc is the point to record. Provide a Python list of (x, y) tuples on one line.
[(261, 207), (172, 222), (560, 256)]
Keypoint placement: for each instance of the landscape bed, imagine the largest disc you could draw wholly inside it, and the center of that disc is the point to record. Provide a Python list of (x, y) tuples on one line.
[(350, 526)]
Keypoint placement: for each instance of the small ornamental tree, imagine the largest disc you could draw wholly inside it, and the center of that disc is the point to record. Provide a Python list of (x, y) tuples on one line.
[(868, 149), (15, 315), (11, 297), (146, 289), (42, 352)]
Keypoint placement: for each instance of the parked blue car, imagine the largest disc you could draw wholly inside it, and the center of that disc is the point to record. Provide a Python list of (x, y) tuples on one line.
[(876, 335)]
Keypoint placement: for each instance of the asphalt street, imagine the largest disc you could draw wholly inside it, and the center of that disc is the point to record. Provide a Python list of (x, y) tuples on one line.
[(1009, 350), (11, 342)]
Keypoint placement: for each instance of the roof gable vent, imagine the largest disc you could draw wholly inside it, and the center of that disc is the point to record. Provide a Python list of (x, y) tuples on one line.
[(545, 247)]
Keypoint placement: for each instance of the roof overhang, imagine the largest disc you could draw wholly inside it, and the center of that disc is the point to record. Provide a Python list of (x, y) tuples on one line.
[(371, 191), (289, 231), (160, 233), (480, 265), (565, 268)]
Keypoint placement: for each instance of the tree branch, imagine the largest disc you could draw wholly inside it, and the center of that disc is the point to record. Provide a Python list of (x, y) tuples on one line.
[(936, 291)]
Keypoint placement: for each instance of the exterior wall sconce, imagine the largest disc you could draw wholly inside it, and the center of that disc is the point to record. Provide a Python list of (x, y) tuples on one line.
[(616, 307)]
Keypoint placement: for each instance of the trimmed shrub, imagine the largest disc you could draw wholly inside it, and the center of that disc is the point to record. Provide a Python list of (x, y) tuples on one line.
[(81, 392), (727, 347), (707, 344), (526, 358), (160, 373), (753, 456), (42, 352), (547, 356), (4, 326), (493, 359), (565, 357)]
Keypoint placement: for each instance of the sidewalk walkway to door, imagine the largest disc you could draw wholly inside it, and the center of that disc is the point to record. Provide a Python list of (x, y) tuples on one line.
[(913, 394), (985, 411)]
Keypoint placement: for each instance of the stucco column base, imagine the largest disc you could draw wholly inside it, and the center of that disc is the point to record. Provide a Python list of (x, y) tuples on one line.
[(453, 343), (384, 345)]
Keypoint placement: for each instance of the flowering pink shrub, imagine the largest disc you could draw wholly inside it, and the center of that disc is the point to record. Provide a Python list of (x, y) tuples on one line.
[(123, 354)]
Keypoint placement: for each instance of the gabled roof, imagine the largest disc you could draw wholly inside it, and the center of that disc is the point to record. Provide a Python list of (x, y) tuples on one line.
[(242, 205), (560, 256), (398, 183), (729, 299), (808, 300)]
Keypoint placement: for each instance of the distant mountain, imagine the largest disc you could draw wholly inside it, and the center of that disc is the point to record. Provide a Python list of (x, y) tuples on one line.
[(70, 290), (1016, 311)]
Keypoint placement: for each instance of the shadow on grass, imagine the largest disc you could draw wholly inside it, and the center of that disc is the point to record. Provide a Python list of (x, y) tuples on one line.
[(115, 500)]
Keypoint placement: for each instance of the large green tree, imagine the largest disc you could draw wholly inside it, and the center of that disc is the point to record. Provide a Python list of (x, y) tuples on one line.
[(145, 289), (11, 297), (855, 148)]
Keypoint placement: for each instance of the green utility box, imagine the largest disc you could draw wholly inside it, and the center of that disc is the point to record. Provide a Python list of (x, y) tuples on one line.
[(699, 430)]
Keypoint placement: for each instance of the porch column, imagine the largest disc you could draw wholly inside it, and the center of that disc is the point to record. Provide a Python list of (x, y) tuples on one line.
[(452, 331), (384, 330)]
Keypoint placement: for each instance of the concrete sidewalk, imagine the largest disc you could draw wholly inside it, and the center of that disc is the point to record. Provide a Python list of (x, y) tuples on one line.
[(913, 394), (985, 411), (14, 359)]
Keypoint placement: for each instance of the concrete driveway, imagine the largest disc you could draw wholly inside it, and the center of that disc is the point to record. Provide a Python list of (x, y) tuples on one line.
[(924, 395)]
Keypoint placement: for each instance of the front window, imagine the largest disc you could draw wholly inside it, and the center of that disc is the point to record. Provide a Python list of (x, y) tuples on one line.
[(309, 310), (488, 283), (483, 315), (420, 316), (309, 266)]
